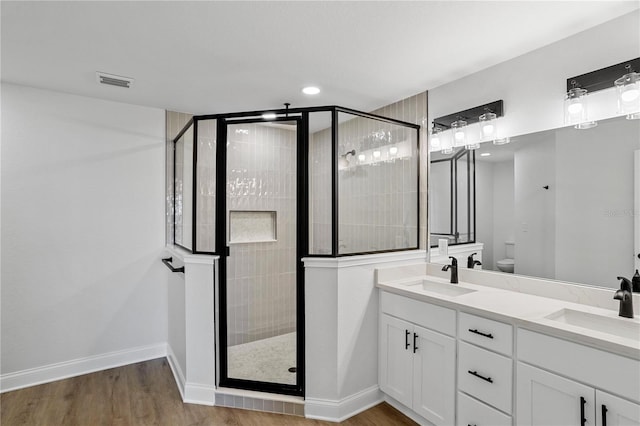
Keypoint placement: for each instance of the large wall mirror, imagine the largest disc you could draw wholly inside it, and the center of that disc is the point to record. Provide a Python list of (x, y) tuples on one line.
[(560, 203)]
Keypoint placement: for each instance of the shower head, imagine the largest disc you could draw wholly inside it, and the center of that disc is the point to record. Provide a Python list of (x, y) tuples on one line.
[(343, 162)]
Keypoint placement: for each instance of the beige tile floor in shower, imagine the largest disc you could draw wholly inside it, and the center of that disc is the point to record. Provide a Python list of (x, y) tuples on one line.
[(266, 360)]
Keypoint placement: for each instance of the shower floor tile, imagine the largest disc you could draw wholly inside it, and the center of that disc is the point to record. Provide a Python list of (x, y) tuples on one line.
[(266, 360)]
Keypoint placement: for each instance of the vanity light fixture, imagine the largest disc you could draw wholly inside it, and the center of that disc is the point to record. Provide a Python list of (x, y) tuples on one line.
[(458, 128), (621, 76), (436, 131), (576, 108), (488, 126), (486, 115), (628, 87)]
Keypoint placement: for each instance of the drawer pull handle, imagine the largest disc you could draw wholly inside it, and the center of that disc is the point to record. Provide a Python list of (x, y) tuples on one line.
[(406, 340), (415, 343), (475, 331), (486, 379), (468, 424), (583, 421), (604, 415)]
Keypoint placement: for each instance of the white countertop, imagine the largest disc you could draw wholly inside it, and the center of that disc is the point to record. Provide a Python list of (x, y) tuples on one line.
[(520, 309)]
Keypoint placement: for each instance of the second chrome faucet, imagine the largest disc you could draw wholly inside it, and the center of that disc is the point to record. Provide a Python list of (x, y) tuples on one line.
[(454, 269)]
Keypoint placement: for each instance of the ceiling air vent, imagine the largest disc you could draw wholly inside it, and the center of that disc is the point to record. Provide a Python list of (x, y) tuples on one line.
[(114, 80)]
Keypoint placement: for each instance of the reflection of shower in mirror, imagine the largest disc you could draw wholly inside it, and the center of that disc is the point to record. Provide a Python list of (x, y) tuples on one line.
[(343, 161)]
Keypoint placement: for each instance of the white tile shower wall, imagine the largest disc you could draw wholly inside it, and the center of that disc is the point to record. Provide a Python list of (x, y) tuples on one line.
[(174, 122), (377, 201), (261, 276), (371, 199)]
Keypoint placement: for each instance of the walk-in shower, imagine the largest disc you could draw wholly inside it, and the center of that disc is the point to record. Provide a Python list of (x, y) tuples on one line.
[(262, 194)]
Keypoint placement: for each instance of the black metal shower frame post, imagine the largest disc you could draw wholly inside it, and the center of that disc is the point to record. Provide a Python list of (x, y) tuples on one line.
[(335, 247), (221, 243), (302, 243), (194, 211)]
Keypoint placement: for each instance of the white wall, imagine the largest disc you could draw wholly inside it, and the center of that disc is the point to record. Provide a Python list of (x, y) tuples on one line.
[(82, 228), (533, 85), (594, 210), (484, 210), (535, 207)]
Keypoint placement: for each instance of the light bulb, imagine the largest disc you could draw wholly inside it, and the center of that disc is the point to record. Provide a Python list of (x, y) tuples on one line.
[(575, 108), (376, 154), (630, 95), (361, 158), (393, 150), (487, 129), (459, 135), (435, 141)]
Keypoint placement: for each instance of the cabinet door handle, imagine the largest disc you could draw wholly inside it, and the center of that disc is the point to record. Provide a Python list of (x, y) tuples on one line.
[(475, 331), (468, 424), (486, 379), (604, 415), (583, 421), (406, 339), (415, 343)]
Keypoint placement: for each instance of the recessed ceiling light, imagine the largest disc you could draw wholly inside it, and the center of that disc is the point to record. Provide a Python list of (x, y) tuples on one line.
[(269, 115), (311, 90), (485, 154)]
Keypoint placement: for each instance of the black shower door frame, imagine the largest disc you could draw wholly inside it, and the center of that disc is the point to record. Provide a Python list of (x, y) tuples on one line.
[(302, 226)]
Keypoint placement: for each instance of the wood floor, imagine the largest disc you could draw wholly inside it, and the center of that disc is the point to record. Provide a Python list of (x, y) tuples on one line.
[(144, 394)]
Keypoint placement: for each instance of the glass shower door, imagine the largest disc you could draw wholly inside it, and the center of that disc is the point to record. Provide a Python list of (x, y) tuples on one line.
[(261, 347)]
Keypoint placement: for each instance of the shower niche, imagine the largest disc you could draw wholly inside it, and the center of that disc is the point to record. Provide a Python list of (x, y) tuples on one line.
[(264, 191)]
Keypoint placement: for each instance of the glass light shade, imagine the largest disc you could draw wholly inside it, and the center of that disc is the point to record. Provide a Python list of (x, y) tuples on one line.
[(501, 141), (436, 143), (472, 146), (575, 106), (458, 128), (361, 158), (628, 87), (488, 126), (393, 151), (446, 142)]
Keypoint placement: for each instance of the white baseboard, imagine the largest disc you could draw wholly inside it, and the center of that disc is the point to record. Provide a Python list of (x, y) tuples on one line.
[(199, 394), (78, 367), (338, 411), (178, 375)]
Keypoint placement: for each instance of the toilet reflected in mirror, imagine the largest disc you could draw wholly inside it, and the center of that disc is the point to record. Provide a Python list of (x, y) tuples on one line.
[(507, 264)]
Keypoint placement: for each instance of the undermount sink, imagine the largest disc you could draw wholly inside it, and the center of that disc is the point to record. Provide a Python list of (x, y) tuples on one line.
[(445, 289), (620, 327)]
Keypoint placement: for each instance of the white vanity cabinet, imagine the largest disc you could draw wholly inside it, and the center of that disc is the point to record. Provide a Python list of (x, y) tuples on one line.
[(564, 383), (485, 371), (417, 356)]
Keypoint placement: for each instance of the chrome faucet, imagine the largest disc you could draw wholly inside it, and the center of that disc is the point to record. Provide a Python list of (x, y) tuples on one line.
[(454, 269), (471, 262), (625, 297)]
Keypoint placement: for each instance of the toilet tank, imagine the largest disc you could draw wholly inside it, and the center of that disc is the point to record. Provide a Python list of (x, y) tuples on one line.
[(509, 249)]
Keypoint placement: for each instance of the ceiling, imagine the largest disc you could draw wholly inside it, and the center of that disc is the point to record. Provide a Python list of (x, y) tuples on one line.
[(215, 57)]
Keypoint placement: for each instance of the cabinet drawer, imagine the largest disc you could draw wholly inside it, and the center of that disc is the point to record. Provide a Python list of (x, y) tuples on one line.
[(487, 333), (485, 375), (474, 412), (424, 314), (595, 367)]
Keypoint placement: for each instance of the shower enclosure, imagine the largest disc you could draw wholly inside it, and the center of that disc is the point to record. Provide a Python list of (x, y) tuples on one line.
[(264, 191)]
